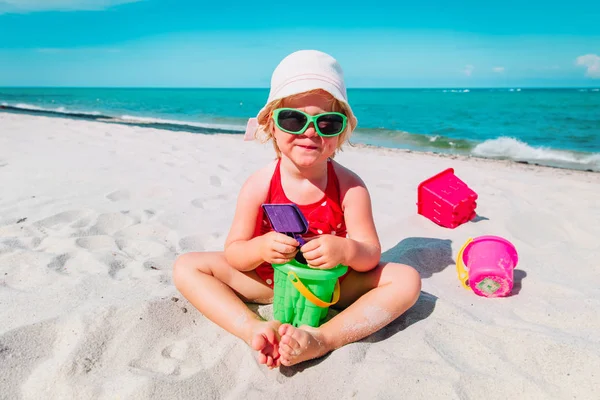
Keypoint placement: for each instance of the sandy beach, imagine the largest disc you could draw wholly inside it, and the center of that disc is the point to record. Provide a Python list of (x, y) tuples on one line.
[(92, 216)]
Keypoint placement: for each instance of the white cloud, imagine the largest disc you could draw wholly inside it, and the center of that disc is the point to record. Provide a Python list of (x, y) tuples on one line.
[(468, 70), (498, 70), (592, 63), (23, 6)]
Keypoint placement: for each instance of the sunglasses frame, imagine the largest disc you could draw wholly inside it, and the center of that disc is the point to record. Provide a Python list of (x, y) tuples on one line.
[(310, 119)]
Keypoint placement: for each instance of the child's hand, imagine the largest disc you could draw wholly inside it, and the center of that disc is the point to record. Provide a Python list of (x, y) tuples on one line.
[(324, 252), (277, 248)]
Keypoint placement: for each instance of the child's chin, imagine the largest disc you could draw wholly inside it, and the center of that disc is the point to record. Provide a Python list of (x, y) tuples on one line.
[(307, 160)]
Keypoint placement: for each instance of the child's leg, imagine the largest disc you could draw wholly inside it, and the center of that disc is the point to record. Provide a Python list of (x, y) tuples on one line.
[(374, 299), (218, 291)]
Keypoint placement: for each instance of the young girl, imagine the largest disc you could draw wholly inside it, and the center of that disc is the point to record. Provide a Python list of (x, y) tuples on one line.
[(308, 118)]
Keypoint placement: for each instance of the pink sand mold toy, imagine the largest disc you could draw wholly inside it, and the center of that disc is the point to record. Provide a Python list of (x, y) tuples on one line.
[(487, 263), (446, 200)]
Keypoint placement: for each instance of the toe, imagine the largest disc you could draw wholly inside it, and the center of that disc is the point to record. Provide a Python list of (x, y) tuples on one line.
[(258, 342), (262, 359), (285, 329), (286, 362), (292, 344), (285, 350), (285, 340), (270, 336)]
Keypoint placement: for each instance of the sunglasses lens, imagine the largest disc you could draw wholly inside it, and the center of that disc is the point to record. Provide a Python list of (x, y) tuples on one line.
[(292, 121), (330, 124)]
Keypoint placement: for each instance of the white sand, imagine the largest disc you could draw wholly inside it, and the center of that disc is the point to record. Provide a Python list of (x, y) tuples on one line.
[(92, 216)]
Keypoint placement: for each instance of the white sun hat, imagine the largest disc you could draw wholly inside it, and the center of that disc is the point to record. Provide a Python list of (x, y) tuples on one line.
[(300, 72)]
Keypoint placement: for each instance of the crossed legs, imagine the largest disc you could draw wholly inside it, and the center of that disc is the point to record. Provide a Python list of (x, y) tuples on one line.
[(370, 300)]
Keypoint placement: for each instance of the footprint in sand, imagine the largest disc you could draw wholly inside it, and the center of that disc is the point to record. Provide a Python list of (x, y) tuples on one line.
[(115, 266), (110, 223), (192, 243), (149, 213), (167, 342), (198, 203), (215, 181), (90, 355), (28, 270), (119, 195), (11, 244), (159, 264), (142, 249), (82, 223), (96, 242), (61, 220), (21, 352), (58, 263)]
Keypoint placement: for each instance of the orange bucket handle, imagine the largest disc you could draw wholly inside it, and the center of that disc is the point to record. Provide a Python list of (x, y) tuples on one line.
[(463, 275), (309, 295)]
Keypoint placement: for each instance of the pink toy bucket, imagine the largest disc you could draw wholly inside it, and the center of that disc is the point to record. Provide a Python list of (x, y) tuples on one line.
[(487, 263)]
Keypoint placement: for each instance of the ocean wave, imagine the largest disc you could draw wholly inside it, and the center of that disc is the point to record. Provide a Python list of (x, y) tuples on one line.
[(513, 149), (455, 90), (59, 111), (413, 141), (24, 106), (146, 120), (435, 141), (173, 125)]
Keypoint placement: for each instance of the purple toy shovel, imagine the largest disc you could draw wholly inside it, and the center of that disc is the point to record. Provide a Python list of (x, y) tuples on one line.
[(289, 220)]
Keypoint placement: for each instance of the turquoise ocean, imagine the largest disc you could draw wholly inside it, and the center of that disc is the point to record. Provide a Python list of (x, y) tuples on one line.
[(556, 127)]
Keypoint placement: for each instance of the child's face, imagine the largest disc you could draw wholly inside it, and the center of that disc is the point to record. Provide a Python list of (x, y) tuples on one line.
[(307, 148)]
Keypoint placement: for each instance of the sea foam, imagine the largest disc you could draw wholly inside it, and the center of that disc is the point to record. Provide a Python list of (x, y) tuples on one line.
[(511, 148)]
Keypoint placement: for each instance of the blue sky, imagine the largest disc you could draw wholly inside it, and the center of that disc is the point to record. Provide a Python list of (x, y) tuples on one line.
[(185, 43)]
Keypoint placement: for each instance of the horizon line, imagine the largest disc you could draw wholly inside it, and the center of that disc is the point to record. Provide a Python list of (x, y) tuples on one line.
[(267, 88)]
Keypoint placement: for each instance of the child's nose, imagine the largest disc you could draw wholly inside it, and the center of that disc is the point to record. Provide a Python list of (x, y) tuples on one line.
[(310, 131)]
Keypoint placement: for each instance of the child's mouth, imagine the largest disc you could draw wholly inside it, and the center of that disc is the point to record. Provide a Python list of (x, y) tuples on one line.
[(309, 147)]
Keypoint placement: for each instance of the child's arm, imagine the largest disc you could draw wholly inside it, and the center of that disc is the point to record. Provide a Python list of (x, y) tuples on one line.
[(241, 250), (362, 249)]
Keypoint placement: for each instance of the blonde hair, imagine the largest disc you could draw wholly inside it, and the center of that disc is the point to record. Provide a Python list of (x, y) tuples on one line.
[(265, 122)]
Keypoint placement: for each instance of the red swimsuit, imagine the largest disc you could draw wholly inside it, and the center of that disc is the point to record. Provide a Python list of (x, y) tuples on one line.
[(324, 216)]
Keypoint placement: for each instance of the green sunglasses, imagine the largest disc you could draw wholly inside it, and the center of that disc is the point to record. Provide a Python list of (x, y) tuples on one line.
[(296, 122)]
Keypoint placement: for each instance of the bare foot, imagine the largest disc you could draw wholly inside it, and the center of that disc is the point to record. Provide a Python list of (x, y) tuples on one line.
[(301, 344), (265, 340)]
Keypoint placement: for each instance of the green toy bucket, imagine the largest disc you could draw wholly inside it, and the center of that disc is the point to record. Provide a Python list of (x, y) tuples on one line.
[(302, 295)]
